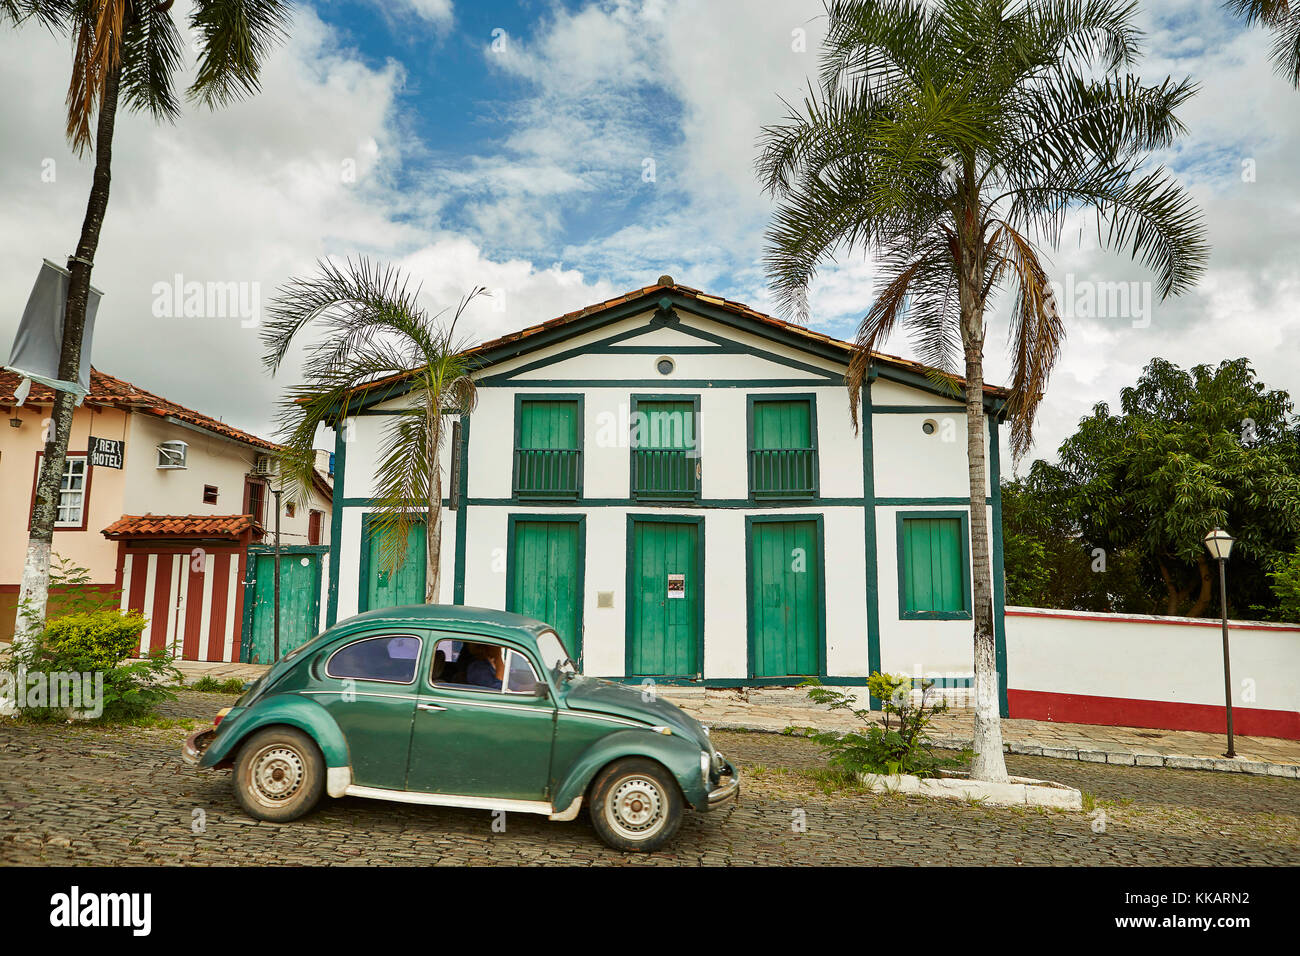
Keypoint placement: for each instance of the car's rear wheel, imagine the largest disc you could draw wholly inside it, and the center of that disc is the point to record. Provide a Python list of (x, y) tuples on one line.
[(279, 774), (635, 805)]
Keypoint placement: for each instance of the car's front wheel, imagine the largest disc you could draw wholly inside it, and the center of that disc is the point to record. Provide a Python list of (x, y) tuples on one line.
[(635, 805), (279, 774)]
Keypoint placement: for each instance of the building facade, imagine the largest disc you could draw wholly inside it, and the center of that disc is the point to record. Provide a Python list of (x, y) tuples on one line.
[(674, 482), (166, 509)]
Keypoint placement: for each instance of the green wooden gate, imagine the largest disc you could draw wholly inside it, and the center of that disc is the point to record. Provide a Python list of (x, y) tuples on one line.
[(300, 582), (665, 597), (786, 597), (546, 574), (381, 588)]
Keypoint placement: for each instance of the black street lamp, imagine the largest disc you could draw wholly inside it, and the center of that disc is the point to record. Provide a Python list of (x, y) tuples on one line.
[(1219, 544)]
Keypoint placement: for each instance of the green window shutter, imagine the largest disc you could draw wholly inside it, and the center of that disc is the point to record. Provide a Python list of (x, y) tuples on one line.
[(933, 581), (549, 425), (664, 459), (548, 454), (782, 454)]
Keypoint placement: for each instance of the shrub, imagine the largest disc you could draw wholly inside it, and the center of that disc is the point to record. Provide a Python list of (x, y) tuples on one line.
[(96, 640), (897, 744), (97, 644)]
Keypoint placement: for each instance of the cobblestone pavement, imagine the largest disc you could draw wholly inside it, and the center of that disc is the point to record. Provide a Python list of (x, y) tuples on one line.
[(75, 794)]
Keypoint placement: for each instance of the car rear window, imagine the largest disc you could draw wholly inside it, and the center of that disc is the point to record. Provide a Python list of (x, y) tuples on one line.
[(391, 659)]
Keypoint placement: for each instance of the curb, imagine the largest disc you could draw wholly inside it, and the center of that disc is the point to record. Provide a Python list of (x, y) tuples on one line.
[(1125, 758)]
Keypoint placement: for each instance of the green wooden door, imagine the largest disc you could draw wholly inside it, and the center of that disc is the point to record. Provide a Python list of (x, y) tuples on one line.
[(299, 604), (664, 593), (393, 588), (547, 578), (785, 598)]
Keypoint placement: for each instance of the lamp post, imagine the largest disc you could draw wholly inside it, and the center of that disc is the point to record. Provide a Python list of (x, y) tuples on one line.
[(1219, 544)]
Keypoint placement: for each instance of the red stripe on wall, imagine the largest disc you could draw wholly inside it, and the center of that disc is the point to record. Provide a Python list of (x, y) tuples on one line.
[(220, 584), (1159, 714), (162, 586), (1174, 621), (139, 578), (193, 605)]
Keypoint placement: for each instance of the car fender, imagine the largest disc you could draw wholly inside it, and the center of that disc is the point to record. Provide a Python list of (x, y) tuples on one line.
[(679, 755), (290, 709)]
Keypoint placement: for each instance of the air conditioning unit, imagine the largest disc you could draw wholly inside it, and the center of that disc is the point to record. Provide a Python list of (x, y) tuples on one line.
[(265, 466), (171, 455)]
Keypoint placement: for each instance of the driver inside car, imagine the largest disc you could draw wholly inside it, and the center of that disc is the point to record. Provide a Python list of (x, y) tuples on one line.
[(486, 668)]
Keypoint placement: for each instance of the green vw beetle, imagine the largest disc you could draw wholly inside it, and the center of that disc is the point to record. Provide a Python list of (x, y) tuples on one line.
[(462, 707)]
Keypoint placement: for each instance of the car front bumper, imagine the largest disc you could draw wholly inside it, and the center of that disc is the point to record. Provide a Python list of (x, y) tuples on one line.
[(196, 743), (727, 790)]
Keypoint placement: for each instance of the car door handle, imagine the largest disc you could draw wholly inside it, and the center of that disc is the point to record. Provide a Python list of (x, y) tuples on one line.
[(429, 707)]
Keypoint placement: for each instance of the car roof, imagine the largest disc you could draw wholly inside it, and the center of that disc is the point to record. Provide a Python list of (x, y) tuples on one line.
[(448, 617)]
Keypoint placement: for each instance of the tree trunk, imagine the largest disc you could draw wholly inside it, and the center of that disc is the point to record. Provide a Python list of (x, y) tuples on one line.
[(1207, 587), (34, 591), (988, 763), (433, 535)]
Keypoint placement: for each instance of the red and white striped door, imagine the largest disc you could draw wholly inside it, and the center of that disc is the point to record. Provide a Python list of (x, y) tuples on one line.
[(192, 596)]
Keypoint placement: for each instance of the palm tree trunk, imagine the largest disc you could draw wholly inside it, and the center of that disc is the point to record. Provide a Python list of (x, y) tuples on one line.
[(988, 763), (34, 591), (433, 536)]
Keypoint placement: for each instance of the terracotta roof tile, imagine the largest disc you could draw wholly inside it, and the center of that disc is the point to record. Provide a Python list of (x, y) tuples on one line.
[(109, 391), (739, 308), (179, 526)]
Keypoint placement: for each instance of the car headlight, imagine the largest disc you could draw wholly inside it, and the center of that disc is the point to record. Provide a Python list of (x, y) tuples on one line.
[(706, 760)]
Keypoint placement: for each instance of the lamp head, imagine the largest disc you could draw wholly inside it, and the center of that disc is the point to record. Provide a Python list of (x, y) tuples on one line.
[(1219, 544)]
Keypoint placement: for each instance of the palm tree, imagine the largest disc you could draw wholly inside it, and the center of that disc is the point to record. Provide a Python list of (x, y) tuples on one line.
[(374, 331), (1283, 18), (950, 140), (123, 50)]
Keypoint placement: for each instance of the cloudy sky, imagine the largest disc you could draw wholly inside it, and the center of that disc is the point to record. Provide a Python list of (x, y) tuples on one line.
[(562, 153)]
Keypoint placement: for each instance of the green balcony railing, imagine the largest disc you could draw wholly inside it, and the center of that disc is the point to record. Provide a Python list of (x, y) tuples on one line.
[(548, 472), (665, 473), (783, 472)]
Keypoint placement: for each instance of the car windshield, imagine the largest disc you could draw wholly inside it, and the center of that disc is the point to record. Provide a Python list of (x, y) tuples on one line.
[(554, 657)]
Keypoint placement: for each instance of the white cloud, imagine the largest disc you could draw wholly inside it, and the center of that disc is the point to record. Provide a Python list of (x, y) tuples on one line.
[(550, 205)]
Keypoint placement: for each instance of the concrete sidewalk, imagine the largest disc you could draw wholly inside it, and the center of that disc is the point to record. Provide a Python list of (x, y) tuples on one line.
[(773, 709)]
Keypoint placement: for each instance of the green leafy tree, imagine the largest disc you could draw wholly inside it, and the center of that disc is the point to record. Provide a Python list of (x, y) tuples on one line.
[(374, 329), (950, 140), (1190, 450), (1049, 564), (124, 51), (1283, 18), (1286, 586)]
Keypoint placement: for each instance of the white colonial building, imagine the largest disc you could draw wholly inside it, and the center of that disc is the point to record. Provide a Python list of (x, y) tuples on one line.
[(673, 481)]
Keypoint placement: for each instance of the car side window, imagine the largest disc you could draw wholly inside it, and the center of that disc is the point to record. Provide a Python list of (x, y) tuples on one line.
[(481, 665), (391, 659)]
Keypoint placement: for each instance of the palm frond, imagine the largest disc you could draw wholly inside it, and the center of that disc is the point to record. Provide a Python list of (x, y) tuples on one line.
[(152, 52), (235, 37)]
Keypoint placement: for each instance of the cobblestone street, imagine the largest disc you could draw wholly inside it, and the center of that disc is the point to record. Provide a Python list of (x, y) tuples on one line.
[(85, 795)]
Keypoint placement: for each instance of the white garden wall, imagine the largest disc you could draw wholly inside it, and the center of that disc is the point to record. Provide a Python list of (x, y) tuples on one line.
[(1140, 671)]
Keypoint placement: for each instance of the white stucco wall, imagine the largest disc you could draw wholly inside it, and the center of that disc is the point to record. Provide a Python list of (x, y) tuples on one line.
[(908, 464), (1178, 660)]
